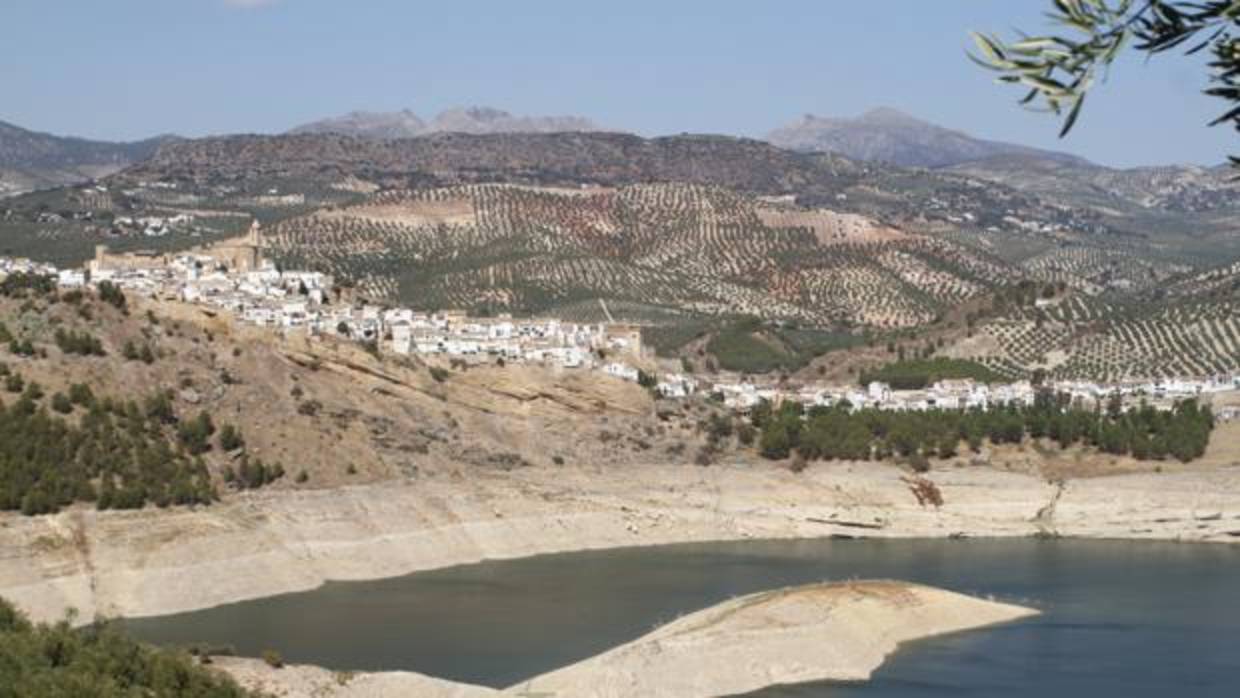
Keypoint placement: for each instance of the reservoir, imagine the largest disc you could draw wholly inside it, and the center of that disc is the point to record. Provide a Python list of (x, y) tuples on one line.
[(1119, 618)]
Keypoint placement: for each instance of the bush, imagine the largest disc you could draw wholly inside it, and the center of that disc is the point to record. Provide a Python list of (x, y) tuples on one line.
[(919, 463), (230, 438), (61, 403), (22, 347), (440, 374), (196, 433), (255, 474), (80, 394), (111, 294), (79, 343), (273, 659), (33, 391)]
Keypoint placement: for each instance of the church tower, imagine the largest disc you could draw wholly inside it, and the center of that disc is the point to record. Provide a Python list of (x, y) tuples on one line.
[(251, 257)]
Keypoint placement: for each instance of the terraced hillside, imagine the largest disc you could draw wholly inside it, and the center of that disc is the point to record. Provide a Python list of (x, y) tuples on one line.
[(1086, 338), (648, 251)]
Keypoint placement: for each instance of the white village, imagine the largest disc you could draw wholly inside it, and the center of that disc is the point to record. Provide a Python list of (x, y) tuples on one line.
[(235, 278)]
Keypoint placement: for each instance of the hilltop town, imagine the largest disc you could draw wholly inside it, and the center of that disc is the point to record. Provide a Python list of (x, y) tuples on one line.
[(235, 278)]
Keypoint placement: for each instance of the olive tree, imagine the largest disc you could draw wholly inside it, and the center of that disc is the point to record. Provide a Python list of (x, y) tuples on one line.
[(1059, 69)]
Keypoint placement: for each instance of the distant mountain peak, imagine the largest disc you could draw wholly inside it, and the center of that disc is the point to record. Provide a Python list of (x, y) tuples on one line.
[(470, 119), (889, 135), (481, 113), (889, 115)]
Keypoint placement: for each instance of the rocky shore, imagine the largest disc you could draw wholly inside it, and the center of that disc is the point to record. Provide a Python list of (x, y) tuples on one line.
[(155, 562), (818, 632)]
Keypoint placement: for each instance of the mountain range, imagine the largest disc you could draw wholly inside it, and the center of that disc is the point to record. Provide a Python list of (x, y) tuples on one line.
[(477, 120), (881, 137)]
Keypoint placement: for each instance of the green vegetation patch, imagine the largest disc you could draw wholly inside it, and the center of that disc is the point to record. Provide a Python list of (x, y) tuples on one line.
[(742, 347), (746, 346), (915, 374), (51, 661)]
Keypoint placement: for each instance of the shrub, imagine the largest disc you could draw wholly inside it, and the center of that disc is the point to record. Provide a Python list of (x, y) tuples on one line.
[(80, 394), (79, 343), (22, 347), (111, 294), (230, 438), (919, 463), (196, 433), (273, 659)]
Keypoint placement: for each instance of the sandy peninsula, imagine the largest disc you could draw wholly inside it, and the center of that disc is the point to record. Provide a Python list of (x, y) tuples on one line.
[(819, 632)]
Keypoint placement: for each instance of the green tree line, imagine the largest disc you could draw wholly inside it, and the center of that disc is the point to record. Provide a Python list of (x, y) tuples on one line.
[(826, 433)]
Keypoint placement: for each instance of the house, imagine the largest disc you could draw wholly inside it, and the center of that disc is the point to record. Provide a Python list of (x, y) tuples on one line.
[(676, 385), (878, 392), (402, 337), (621, 371), (293, 314), (71, 278)]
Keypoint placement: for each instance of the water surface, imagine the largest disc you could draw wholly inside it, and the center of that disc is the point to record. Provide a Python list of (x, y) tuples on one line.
[(1120, 619)]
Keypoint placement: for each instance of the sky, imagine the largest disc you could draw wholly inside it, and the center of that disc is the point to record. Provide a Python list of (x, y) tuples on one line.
[(129, 69)]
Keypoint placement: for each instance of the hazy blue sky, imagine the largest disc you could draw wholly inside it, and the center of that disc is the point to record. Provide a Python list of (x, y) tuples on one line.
[(132, 68)]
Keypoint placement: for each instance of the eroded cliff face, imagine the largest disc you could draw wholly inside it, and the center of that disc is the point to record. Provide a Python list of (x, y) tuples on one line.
[(155, 562)]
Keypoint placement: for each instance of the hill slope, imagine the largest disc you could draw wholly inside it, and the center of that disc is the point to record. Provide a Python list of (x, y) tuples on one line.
[(33, 160), (650, 251), (1177, 189)]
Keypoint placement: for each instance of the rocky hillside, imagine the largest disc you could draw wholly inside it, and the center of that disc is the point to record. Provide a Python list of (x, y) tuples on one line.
[(333, 411), (477, 120), (1182, 189), (888, 135), (558, 158), (33, 160)]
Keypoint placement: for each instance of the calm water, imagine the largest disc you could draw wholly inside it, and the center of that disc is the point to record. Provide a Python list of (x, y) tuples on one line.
[(1120, 619)]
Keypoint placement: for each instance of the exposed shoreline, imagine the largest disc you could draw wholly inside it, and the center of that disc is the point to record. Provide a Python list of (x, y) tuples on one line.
[(839, 631), (261, 544)]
